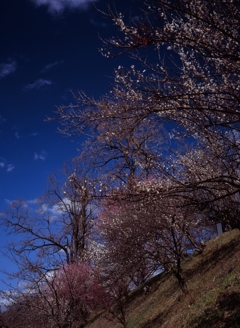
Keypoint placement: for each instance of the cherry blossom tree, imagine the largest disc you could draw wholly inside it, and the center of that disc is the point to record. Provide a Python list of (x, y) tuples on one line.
[(116, 155), (189, 85), (150, 229), (117, 279), (211, 182)]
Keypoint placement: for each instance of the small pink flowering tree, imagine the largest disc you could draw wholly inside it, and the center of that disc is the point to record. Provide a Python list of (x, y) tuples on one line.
[(63, 299), (73, 293)]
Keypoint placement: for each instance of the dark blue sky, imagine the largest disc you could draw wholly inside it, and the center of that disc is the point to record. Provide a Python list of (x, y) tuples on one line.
[(46, 51), (47, 48)]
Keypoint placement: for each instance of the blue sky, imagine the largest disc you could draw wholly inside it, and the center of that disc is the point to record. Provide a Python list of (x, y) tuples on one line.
[(48, 47)]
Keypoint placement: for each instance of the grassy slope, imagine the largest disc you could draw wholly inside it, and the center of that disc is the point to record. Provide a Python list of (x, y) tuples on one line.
[(213, 280)]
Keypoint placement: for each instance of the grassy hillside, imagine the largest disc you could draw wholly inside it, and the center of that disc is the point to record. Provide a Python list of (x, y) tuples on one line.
[(213, 280)]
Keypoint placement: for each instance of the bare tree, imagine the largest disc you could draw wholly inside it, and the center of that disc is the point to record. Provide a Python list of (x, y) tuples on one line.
[(56, 228)]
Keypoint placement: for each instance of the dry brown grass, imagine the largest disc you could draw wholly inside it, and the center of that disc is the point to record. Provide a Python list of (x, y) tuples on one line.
[(213, 301)]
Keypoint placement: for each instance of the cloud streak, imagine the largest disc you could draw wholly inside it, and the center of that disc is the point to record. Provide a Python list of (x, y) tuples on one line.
[(58, 6), (10, 167), (7, 68), (38, 84), (7, 167), (51, 65), (40, 156)]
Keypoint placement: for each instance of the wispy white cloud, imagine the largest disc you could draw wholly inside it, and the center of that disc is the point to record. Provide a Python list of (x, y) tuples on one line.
[(7, 68), (10, 167), (38, 84), (51, 65), (58, 6), (33, 201), (5, 166), (57, 210), (53, 210), (17, 135), (24, 203), (40, 156)]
